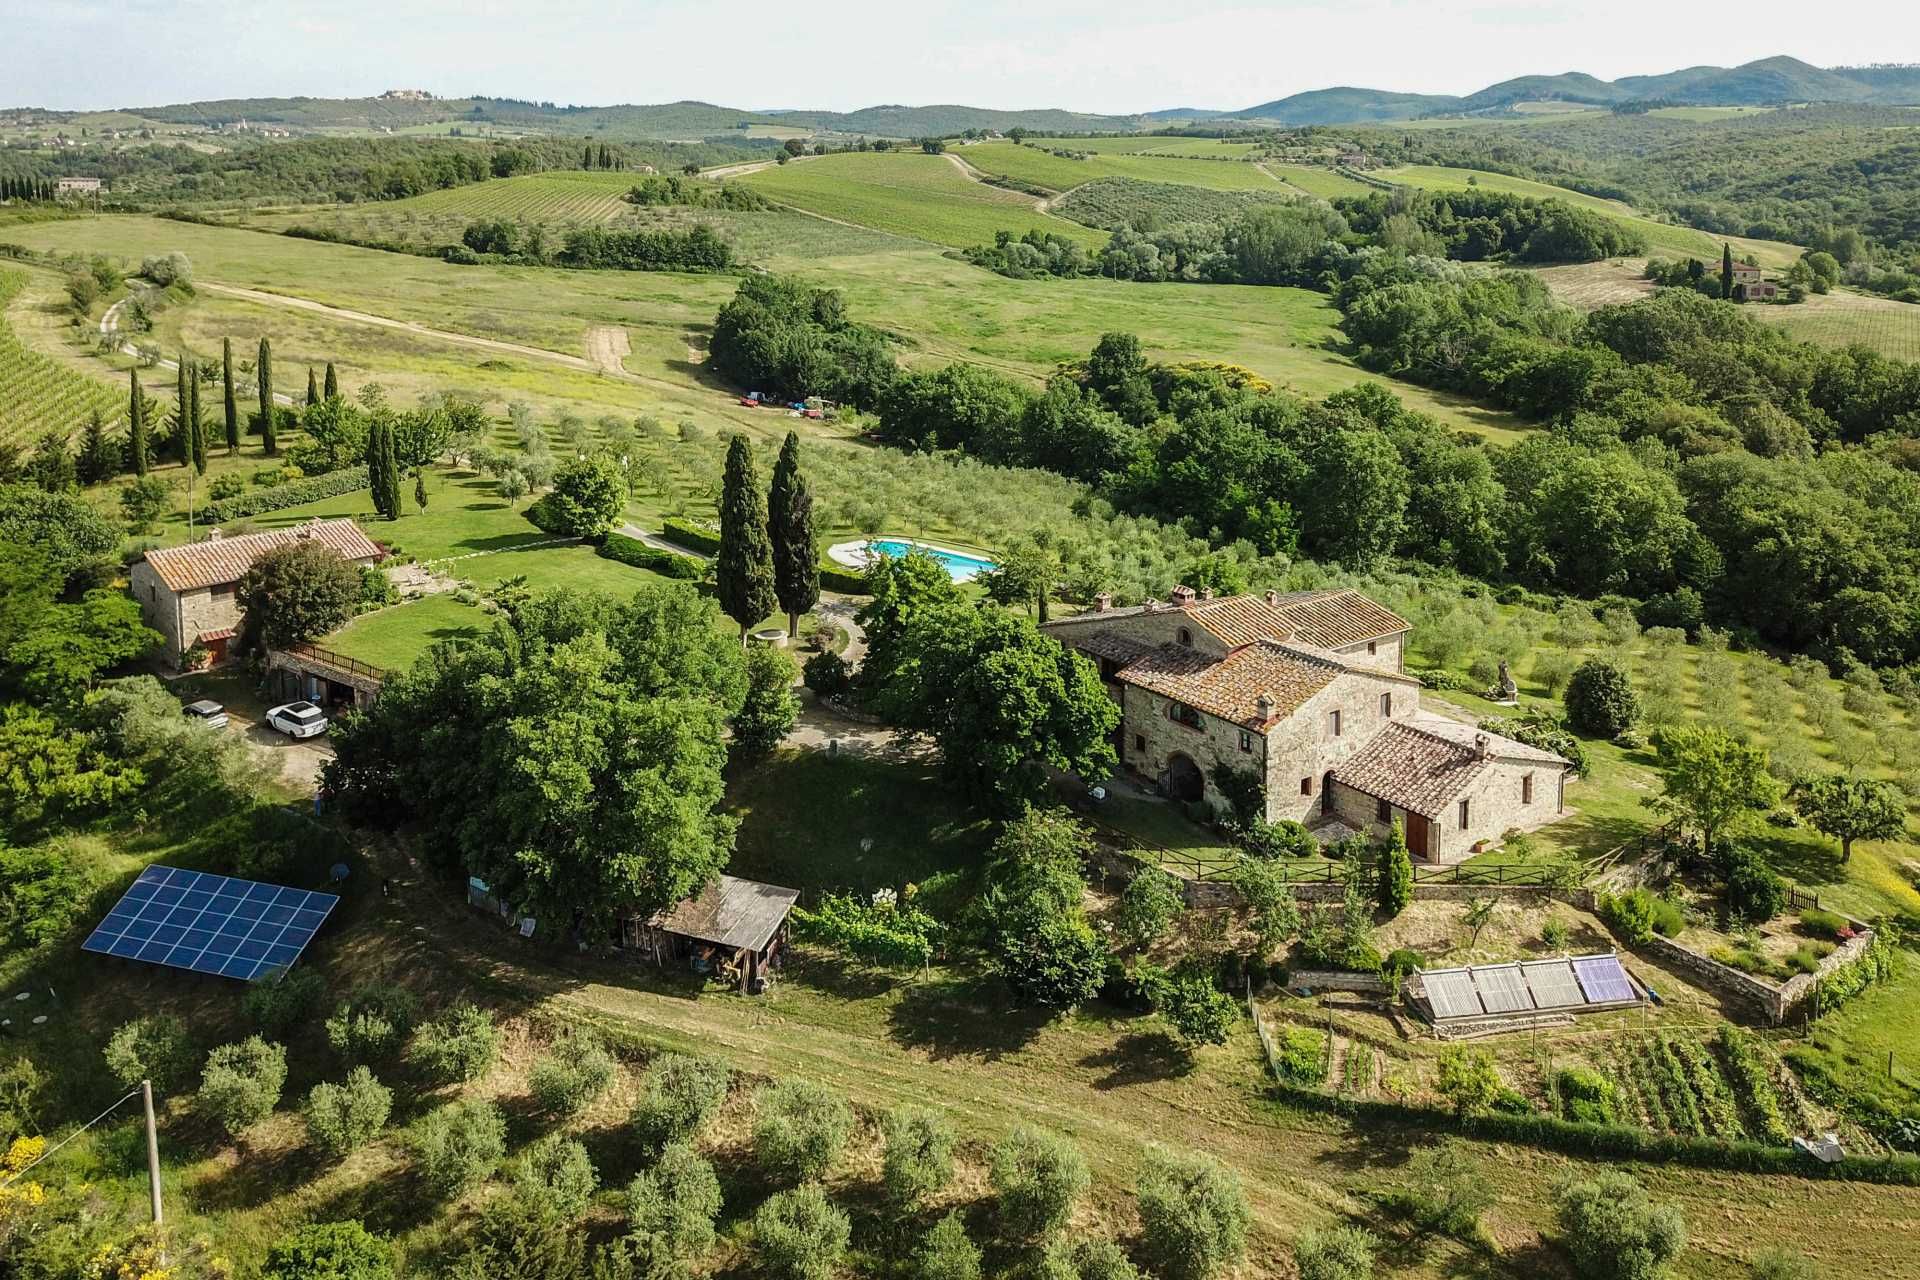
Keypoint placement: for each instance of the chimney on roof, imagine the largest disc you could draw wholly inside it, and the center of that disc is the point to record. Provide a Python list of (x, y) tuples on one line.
[(1182, 597), (1266, 706), (214, 535), (1273, 597), (1483, 745), (1102, 602), (1206, 593)]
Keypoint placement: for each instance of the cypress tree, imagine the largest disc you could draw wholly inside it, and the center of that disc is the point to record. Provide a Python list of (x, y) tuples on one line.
[(1726, 270), (264, 366), (586, 156), (375, 489), (313, 389), (331, 388), (182, 435), (420, 489), (743, 571), (196, 421), (383, 472), (232, 402), (796, 567), (136, 425), (99, 456)]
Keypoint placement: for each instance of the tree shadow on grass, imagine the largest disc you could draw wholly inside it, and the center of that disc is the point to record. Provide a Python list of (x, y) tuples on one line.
[(963, 1017), (391, 1205), (255, 1177), (837, 976), (1804, 863), (1139, 1057)]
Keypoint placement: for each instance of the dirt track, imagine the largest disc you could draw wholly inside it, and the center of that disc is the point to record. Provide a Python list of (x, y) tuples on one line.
[(608, 347)]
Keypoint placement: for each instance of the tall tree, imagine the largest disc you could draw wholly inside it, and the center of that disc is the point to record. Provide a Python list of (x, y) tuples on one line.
[(743, 571), (196, 420), (136, 424), (1850, 809), (1726, 270), (313, 389), (264, 367), (1712, 781), (331, 387), (99, 457), (796, 564), (182, 406), (383, 470), (232, 403)]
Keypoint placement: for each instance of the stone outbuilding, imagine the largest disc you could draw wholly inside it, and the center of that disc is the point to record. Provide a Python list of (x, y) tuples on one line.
[(186, 593)]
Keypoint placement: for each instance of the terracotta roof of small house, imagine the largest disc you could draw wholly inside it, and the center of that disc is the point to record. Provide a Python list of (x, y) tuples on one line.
[(731, 912), (1412, 768), (1335, 619), (1112, 646), (220, 560), (1239, 620), (1466, 735), (1231, 687)]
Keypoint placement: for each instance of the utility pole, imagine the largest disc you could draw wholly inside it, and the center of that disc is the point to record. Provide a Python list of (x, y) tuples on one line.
[(153, 1150)]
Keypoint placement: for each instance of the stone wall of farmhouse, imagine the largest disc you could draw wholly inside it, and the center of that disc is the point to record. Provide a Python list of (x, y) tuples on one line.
[(1387, 654), (1162, 626), (1495, 807), (1302, 747), (1151, 739), (182, 617), (159, 607)]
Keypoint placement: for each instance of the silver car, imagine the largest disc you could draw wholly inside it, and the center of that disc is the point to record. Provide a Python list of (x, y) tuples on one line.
[(207, 712), (298, 719)]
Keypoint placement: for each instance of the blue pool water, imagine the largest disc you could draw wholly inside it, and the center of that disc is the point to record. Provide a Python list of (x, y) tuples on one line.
[(960, 566)]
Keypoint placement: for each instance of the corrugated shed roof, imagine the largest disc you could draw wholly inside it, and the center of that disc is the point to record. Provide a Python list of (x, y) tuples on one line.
[(1412, 769), (1231, 687), (1335, 619), (731, 912), (221, 560)]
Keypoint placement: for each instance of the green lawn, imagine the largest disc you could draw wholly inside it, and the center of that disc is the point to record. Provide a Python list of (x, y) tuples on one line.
[(393, 637), (910, 194)]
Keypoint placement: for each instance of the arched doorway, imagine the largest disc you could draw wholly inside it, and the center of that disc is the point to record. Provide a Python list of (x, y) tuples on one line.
[(1184, 779)]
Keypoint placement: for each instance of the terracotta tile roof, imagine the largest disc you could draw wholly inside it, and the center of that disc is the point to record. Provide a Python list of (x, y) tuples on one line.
[(1110, 645), (1239, 620), (1333, 619), (222, 560), (1500, 747), (1413, 769), (1231, 687)]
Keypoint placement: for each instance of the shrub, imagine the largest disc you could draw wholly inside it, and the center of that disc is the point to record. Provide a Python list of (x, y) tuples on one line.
[(1468, 1079), (342, 1118), (691, 536), (919, 1154), (586, 497), (1778, 1264), (241, 1083), (1398, 967), (1335, 1253), (294, 493), (278, 1005), (1614, 1231), (1446, 1190), (1585, 1095), (1600, 699), (459, 1145), (1555, 932), (569, 1076), (1300, 1055), (1825, 924), (372, 1023), (458, 1046), (329, 1251), (676, 1200), (1193, 1215), (1038, 1179), (668, 564), (678, 1096), (1754, 892), (516, 1238), (947, 1253), (1147, 906), (799, 1235), (1086, 1260), (1263, 839), (151, 1048), (555, 1173), (799, 1129), (1194, 1008), (1639, 914), (827, 674)]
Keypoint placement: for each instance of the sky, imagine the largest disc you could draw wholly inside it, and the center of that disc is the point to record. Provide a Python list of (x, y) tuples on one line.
[(1107, 56)]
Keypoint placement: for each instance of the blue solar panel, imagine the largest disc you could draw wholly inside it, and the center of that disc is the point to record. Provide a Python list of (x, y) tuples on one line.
[(211, 924), (1602, 978)]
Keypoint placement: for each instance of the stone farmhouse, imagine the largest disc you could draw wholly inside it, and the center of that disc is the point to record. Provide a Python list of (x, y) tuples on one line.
[(1308, 691), (186, 593)]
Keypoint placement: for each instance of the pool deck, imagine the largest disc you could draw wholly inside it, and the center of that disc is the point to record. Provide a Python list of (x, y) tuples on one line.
[(857, 555)]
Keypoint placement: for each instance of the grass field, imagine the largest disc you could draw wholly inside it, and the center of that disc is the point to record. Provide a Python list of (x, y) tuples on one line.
[(909, 194), (1588, 285), (1146, 144), (1664, 239), (1842, 319), (1316, 181), (1059, 173)]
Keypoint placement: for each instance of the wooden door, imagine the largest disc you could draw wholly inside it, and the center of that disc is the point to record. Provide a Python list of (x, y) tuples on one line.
[(1417, 828)]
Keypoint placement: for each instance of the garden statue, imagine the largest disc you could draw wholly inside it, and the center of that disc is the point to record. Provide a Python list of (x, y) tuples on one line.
[(1505, 691)]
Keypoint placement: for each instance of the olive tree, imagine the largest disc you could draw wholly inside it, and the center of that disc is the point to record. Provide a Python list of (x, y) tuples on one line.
[(342, 1118), (1193, 1215), (799, 1129), (241, 1083), (800, 1235), (1038, 1179)]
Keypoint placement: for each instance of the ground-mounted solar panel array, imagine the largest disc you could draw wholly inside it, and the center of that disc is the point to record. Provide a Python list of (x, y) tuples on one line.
[(1496, 990), (211, 924)]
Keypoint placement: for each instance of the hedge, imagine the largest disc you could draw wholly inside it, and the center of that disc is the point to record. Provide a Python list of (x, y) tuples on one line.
[(292, 494), (618, 546), (835, 578), (692, 536), (1611, 1141)]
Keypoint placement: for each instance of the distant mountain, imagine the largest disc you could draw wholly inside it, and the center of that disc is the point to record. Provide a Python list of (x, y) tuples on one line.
[(1186, 113), (1349, 106), (1754, 84), (917, 122)]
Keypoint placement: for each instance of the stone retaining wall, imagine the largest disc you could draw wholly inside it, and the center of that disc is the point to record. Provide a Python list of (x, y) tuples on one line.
[(1774, 1003), (1222, 893), (1335, 980)]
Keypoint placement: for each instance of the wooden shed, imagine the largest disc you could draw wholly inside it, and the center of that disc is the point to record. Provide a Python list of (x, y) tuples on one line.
[(733, 928)]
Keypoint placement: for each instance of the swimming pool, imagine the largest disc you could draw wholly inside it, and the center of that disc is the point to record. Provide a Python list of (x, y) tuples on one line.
[(960, 566)]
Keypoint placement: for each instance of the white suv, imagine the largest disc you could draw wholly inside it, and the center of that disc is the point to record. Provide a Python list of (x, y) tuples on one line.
[(298, 719)]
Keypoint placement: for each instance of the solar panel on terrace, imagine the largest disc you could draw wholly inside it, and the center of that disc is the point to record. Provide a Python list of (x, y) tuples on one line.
[(1451, 993), (1552, 984), (210, 924), (1602, 978), (1502, 990)]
